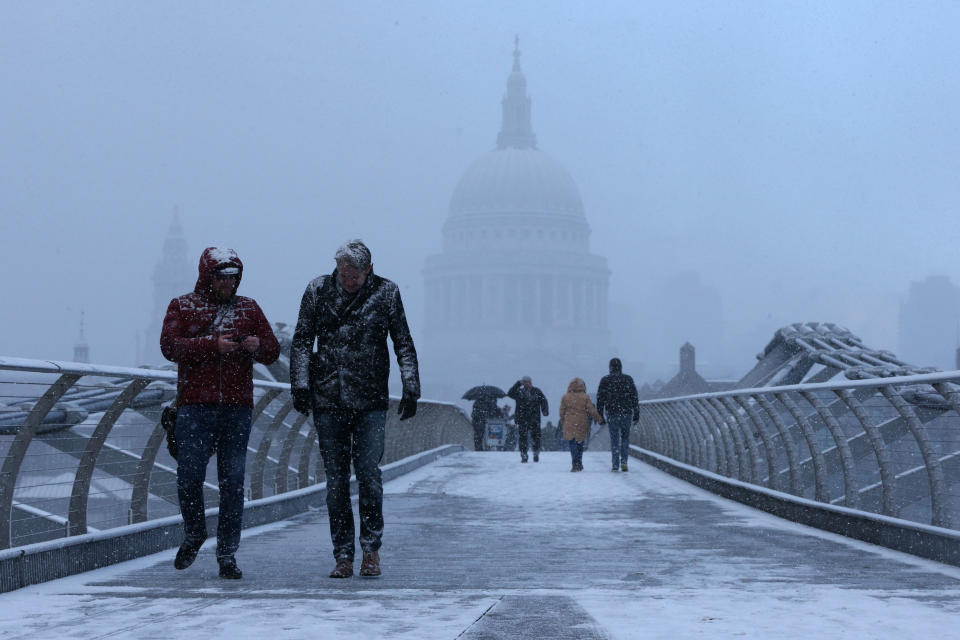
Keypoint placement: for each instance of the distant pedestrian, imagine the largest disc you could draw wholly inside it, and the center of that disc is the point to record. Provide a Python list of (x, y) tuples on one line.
[(214, 336), (348, 315), (617, 401), (531, 404), (576, 409), (484, 408), (510, 436)]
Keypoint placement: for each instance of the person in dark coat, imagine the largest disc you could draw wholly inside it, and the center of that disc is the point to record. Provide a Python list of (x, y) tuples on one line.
[(214, 336), (348, 315), (617, 401), (483, 409), (531, 403)]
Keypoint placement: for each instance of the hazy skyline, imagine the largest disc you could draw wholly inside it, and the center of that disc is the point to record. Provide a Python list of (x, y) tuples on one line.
[(799, 158)]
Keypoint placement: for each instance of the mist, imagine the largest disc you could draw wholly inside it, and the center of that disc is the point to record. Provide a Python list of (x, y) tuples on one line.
[(775, 163)]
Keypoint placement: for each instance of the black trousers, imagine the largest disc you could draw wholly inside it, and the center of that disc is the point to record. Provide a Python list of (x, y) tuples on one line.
[(478, 432), (356, 436), (534, 430)]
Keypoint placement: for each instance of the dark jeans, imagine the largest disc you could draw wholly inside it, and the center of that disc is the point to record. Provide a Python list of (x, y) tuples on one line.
[(347, 435), (478, 432), (576, 452), (534, 430), (201, 428), (619, 427)]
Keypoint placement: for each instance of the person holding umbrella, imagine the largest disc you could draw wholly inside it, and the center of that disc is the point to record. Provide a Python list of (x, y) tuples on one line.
[(484, 407)]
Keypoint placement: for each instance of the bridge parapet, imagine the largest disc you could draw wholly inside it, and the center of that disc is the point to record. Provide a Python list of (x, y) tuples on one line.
[(889, 445), (83, 449)]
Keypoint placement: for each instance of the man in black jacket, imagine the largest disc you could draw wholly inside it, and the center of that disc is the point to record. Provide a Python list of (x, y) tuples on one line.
[(344, 382), (617, 402), (531, 403)]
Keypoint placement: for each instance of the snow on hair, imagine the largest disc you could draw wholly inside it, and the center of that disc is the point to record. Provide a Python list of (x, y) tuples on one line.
[(355, 253), (221, 254)]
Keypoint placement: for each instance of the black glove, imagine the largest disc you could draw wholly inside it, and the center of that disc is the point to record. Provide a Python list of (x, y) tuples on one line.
[(408, 406), (636, 418), (302, 401)]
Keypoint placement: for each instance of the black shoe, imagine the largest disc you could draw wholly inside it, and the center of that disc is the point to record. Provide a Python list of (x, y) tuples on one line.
[(615, 468), (370, 565), (344, 568), (536, 457), (229, 569), (523, 458), (187, 554)]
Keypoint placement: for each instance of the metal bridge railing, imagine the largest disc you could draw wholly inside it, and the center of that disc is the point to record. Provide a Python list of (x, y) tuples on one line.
[(83, 449), (883, 445)]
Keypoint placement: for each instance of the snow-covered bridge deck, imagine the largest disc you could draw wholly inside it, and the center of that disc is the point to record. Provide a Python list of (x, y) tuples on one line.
[(479, 546)]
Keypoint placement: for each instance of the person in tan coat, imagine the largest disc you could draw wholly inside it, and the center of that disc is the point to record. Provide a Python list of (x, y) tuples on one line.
[(576, 409)]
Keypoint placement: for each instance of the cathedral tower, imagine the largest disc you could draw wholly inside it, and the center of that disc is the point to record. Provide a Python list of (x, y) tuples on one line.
[(515, 290), (173, 275)]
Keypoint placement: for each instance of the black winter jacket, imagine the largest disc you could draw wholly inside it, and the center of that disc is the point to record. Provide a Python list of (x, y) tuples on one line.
[(484, 409), (617, 396), (351, 365), (530, 404)]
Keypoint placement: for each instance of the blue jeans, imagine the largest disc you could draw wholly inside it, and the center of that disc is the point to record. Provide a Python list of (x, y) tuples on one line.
[(619, 427), (576, 452), (201, 428), (347, 435)]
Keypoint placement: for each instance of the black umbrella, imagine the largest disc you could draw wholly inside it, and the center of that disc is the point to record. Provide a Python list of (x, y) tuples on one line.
[(484, 391)]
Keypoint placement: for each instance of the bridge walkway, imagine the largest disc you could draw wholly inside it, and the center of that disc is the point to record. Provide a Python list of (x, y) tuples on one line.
[(479, 546)]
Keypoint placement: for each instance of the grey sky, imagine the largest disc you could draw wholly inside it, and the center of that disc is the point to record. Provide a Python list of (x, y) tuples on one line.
[(802, 158)]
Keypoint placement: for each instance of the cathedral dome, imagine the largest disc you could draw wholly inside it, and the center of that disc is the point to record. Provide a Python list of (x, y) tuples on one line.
[(516, 181), (515, 287)]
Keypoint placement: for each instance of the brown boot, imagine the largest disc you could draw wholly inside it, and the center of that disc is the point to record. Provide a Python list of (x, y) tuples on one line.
[(344, 569), (370, 565)]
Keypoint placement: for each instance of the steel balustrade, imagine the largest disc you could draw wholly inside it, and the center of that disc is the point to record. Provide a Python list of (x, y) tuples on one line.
[(741, 438), (816, 454), (83, 449), (757, 422), (286, 450), (880, 450), (934, 471), (888, 445)]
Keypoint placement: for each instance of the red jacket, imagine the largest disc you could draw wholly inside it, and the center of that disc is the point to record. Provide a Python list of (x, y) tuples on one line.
[(192, 326)]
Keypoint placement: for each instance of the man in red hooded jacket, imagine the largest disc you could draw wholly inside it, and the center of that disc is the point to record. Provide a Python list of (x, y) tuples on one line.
[(214, 336)]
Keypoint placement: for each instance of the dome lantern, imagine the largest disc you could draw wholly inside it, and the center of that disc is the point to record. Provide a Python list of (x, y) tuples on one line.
[(516, 131)]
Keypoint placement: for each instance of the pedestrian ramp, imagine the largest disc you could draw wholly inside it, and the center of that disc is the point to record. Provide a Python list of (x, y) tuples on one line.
[(480, 546)]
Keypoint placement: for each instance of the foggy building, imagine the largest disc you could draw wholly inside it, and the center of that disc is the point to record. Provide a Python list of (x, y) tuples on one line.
[(81, 350), (687, 381), (173, 275), (676, 309), (929, 320), (516, 290)]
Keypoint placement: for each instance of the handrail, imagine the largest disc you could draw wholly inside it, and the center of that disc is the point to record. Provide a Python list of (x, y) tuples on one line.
[(885, 445), (867, 383), (82, 446)]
